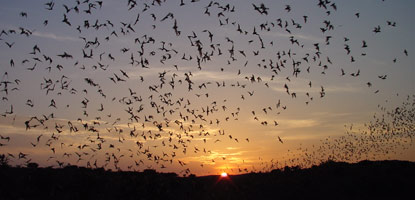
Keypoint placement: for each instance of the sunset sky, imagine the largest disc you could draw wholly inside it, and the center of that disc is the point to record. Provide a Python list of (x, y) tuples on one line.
[(238, 115)]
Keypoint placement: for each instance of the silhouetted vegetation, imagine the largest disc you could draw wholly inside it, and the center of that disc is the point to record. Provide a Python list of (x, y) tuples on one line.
[(4, 161), (340, 180)]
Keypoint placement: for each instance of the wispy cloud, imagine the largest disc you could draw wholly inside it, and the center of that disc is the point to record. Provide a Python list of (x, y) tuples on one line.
[(300, 36), (231, 157), (292, 123), (302, 86), (298, 123), (54, 36), (345, 88), (214, 76)]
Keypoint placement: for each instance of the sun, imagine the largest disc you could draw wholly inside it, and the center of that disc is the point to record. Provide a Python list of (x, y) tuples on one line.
[(224, 174)]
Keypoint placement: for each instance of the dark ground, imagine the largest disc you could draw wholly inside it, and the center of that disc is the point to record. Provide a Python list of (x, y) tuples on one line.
[(330, 180)]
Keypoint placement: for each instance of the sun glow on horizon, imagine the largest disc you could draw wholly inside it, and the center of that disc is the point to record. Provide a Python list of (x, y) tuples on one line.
[(224, 175)]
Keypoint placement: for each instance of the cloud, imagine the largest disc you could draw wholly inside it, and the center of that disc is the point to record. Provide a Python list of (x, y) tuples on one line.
[(213, 76), (54, 36), (227, 31), (302, 87), (298, 123), (300, 36), (344, 88), (218, 157)]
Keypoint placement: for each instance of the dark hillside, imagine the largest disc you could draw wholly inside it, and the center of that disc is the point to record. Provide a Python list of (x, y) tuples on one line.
[(363, 180)]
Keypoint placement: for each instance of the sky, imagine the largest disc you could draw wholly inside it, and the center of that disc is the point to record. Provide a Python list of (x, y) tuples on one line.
[(207, 86)]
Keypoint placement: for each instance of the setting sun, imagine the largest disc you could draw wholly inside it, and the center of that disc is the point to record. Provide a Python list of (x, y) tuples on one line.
[(224, 174)]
